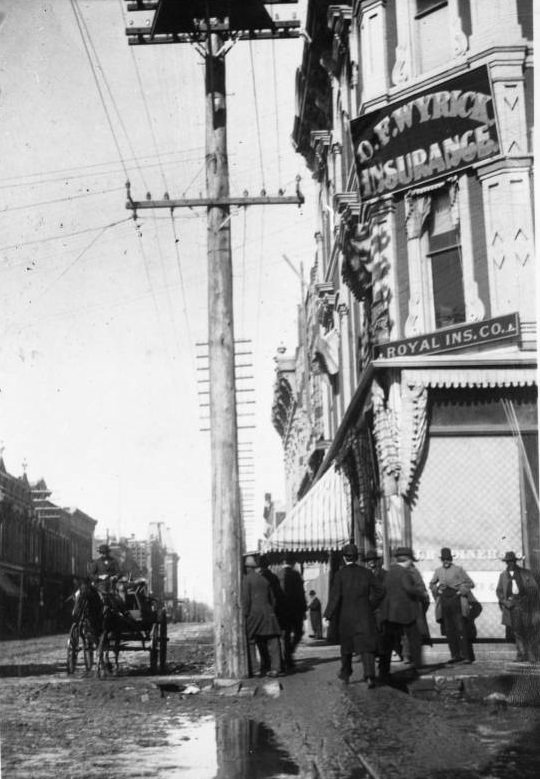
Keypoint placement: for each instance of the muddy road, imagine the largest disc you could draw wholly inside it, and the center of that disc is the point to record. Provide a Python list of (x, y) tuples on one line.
[(181, 725)]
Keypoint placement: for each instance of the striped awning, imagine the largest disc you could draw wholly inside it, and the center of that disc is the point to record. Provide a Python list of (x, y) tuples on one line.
[(320, 521), (472, 377)]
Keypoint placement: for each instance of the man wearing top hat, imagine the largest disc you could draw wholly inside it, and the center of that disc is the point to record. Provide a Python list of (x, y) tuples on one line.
[(399, 611), (450, 586), (517, 593), (354, 595)]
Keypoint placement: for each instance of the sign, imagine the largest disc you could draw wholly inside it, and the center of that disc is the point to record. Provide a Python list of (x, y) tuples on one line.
[(439, 131), (449, 339)]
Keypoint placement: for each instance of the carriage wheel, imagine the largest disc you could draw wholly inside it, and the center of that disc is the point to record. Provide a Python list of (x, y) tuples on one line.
[(154, 648), (163, 643), (102, 656), (88, 646), (72, 648)]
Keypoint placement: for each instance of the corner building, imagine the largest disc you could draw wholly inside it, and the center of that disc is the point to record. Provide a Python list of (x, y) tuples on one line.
[(416, 119)]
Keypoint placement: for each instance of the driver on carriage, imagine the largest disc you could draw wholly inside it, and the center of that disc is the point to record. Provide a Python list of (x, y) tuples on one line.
[(104, 573), (104, 566)]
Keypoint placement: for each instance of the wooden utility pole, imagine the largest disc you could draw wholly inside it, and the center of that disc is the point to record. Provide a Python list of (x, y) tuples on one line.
[(212, 35), (230, 644)]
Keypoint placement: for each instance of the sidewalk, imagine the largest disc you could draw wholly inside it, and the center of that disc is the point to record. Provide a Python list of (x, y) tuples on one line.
[(494, 673)]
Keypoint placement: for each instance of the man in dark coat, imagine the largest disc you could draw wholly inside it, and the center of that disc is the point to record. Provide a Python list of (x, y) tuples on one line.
[(399, 611), (262, 626), (517, 593), (354, 595), (374, 561), (275, 586), (294, 609)]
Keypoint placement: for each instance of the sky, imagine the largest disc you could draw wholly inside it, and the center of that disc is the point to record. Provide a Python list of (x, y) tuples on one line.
[(100, 314)]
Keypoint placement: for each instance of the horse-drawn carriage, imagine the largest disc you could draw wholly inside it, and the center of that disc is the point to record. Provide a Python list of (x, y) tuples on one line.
[(112, 615)]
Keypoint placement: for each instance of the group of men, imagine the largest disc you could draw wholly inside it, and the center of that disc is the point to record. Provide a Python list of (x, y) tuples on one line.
[(378, 612), (274, 607)]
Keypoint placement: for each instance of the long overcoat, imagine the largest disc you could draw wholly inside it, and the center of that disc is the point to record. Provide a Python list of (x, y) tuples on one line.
[(403, 595), (258, 602), (354, 595), (294, 600), (527, 603)]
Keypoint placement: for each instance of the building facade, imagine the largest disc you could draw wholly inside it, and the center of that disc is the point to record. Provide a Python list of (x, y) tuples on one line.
[(416, 119), (44, 551)]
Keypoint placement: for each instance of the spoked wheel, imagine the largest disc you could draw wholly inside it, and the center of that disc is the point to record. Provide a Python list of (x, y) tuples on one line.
[(158, 646), (102, 656), (154, 646), (72, 648), (163, 643), (88, 645)]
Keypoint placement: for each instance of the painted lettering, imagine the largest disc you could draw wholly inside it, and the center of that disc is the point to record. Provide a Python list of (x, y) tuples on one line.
[(382, 130)]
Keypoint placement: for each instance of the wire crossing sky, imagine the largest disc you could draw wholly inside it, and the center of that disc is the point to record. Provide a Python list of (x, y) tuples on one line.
[(100, 314)]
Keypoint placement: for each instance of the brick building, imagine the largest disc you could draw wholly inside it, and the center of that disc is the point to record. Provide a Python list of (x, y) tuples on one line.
[(416, 119)]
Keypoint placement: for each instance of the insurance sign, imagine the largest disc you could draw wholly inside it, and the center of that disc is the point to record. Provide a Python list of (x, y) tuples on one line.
[(437, 132), (501, 328)]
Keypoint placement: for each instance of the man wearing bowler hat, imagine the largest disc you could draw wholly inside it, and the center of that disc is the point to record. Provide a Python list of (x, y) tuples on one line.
[(450, 585), (354, 595), (517, 593), (399, 612)]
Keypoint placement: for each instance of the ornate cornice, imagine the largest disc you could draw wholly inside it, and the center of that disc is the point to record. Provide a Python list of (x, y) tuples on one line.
[(343, 200), (339, 22)]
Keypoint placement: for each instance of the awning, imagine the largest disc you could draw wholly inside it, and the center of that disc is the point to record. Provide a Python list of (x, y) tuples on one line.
[(320, 522), (472, 377)]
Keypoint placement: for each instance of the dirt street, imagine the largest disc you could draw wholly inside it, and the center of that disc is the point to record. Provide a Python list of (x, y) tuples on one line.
[(180, 725)]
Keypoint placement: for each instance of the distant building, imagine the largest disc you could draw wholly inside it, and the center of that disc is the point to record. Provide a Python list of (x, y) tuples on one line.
[(44, 549)]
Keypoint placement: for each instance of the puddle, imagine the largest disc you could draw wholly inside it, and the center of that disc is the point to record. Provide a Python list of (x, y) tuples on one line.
[(210, 748), (32, 669)]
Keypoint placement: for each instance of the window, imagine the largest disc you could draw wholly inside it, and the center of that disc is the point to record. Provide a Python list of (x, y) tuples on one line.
[(444, 258), (433, 34)]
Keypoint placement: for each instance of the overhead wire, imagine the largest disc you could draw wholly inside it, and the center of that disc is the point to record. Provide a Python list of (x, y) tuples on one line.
[(89, 44), (78, 16), (54, 201), (175, 237), (276, 110), (81, 254), (61, 236), (21, 181), (257, 120)]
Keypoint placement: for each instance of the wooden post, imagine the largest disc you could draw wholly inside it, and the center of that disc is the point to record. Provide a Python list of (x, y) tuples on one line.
[(229, 640)]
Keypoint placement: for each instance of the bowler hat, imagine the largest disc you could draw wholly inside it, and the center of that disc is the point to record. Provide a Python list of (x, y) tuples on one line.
[(104, 549), (404, 551), (446, 553), (350, 550), (372, 554), (250, 562), (510, 557)]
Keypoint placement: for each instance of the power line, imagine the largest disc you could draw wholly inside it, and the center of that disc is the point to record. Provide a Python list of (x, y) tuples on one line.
[(256, 111), (63, 235), (18, 181), (74, 262), (9, 209), (77, 14)]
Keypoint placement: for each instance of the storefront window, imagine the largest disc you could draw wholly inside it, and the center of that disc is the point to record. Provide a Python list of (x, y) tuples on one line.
[(444, 255), (432, 31)]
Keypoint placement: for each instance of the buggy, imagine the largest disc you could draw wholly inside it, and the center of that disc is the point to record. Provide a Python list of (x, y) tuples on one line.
[(116, 614)]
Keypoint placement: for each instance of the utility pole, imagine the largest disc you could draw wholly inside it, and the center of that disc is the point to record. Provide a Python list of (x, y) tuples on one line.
[(213, 27), (230, 650)]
